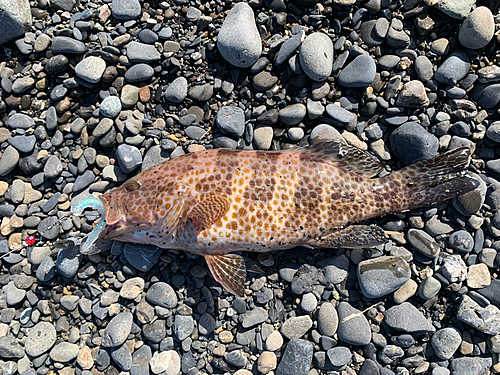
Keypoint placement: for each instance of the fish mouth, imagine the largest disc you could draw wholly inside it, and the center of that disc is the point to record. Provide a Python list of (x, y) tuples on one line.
[(116, 218)]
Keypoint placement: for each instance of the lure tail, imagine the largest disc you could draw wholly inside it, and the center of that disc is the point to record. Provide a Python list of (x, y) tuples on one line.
[(431, 181)]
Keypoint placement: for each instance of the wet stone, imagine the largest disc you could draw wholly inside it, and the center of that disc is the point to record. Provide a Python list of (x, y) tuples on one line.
[(383, 275)]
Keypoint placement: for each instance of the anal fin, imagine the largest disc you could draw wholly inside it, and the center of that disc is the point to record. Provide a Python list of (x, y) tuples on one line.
[(356, 236), (230, 271), (210, 209)]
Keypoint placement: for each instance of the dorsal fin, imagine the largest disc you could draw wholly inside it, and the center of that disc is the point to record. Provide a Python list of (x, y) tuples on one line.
[(352, 158), (230, 271)]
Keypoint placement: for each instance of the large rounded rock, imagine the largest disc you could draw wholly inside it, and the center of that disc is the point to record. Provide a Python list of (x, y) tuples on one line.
[(117, 331), (383, 275), (316, 56), (40, 339), (239, 40), (477, 29), (411, 143), (91, 69), (453, 69), (359, 73)]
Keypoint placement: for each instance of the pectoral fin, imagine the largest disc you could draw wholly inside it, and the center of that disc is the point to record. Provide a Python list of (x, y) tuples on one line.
[(230, 271), (356, 236), (210, 209)]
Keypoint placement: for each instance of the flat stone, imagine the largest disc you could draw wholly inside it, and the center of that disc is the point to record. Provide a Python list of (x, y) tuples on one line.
[(177, 91), (16, 19), (458, 9), (139, 72), (254, 317), (383, 275), (20, 121), (183, 326), (445, 342), (22, 84), (316, 56), (41, 338), (289, 47), (353, 327), (471, 366), (231, 120), (296, 327), (296, 359), (142, 53), (141, 257), (238, 39), (125, 9), (359, 73), (423, 67), (407, 318), (292, 114), (132, 288), (117, 330), (412, 143), (453, 69), (478, 276), (484, 319), (10, 348), (66, 45), (327, 319), (167, 362), (91, 69), (64, 352), (423, 242)]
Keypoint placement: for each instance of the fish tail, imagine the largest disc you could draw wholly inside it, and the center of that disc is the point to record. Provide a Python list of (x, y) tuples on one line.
[(432, 181)]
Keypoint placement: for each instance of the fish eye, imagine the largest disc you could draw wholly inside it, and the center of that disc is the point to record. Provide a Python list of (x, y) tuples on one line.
[(131, 185)]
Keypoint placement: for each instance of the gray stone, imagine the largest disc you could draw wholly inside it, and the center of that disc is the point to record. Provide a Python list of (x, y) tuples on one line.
[(429, 288), (129, 158), (13, 295), (292, 114), (296, 327), (111, 106), (177, 91), (484, 319), (10, 348), (122, 357), (478, 28), (64, 352), (383, 275), (296, 359), (340, 114), (462, 241), (183, 326), (423, 242), (289, 47), (22, 84), (353, 327), (339, 357), (125, 9), (231, 120), (207, 324), (458, 9), (407, 318), (66, 5), (423, 67), (53, 167), (254, 317), (40, 339), (139, 72), (162, 294), (15, 19), (445, 342), (142, 53), (487, 96), (359, 73), (412, 143), (316, 56), (471, 366), (453, 69), (20, 121), (66, 45), (91, 69), (328, 320), (83, 181), (46, 270), (23, 143), (324, 132), (141, 257), (201, 93), (239, 40), (413, 95), (117, 330)]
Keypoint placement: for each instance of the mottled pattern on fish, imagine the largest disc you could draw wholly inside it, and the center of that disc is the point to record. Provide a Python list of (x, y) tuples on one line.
[(219, 201)]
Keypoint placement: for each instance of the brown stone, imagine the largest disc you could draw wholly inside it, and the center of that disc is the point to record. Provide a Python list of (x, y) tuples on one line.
[(144, 94)]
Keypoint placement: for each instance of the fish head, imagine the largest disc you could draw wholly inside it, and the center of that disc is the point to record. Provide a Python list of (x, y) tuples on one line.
[(126, 210)]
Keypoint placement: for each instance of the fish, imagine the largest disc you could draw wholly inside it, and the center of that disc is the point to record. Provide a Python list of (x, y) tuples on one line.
[(219, 202)]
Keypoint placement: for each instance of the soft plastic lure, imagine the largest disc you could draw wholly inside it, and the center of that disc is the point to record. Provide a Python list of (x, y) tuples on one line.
[(88, 246)]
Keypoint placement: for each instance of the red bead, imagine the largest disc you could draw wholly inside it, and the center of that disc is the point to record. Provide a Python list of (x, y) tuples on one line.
[(30, 240)]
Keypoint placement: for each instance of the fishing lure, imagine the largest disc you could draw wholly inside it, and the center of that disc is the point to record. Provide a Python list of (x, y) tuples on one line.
[(88, 246)]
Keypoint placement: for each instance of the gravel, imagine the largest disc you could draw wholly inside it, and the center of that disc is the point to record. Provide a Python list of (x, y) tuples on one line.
[(92, 93)]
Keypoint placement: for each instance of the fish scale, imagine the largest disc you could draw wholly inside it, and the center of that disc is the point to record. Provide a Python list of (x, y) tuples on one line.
[(217, 202)]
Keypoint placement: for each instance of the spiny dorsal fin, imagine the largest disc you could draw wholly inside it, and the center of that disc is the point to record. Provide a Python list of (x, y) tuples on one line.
[(230, 271), (352, 158), (209, 210)]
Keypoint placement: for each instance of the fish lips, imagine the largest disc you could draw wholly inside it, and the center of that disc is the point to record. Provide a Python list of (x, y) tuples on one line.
[(116, 218)]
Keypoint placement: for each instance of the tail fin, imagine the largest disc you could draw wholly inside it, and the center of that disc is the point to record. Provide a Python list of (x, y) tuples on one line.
[(434, 180)]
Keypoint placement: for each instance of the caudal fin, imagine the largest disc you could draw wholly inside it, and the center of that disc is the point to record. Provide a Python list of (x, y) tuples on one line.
[(434, 180)]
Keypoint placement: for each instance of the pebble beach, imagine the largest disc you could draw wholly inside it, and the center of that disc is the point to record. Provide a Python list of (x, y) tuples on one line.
[(95, 91)]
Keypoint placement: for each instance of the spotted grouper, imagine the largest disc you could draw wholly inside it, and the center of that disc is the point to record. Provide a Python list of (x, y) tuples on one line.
[(217, 202)]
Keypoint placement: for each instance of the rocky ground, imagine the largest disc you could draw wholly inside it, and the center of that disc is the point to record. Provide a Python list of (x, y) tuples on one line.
[(93, 92)]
